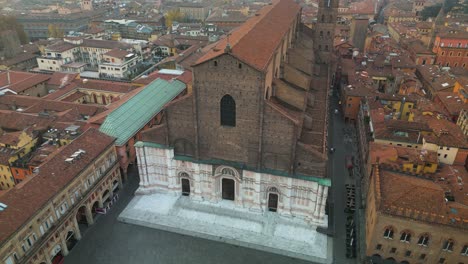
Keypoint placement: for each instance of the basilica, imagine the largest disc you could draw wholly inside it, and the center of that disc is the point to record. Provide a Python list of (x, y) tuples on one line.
[(251, 136)]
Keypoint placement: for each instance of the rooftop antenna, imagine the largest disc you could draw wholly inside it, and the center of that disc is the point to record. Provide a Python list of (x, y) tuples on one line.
[(228, 46)]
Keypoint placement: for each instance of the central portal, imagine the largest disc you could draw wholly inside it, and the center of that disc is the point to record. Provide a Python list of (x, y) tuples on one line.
[(228, 189), (272, 202)]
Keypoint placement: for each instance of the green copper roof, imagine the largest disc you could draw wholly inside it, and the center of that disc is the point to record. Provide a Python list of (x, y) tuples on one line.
[(125, 121)]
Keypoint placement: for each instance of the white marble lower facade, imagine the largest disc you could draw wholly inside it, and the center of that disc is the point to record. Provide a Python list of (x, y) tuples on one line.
[(160, 172)]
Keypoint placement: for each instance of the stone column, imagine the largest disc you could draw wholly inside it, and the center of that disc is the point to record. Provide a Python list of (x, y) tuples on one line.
[(286, 197), (63, 244), (77, 229), (196, 178), (318, 201), (324, 202), (89, 216), (257, 196)]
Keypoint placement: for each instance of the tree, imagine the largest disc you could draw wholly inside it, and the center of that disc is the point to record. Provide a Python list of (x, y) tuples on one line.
[(10, 23), (51, 31), (449, 4), (430, 11), (171, 16)]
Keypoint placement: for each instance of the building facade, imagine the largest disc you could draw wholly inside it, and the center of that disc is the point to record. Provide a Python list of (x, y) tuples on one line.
[(409, 228), (451, 49), (42, 222), (250, 131)]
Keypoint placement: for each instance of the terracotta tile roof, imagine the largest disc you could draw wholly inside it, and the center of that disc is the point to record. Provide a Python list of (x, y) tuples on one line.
[(185, 77), (10, 138), (25, 200), (118, 87), (402, 191), (104, 44), (61, 79), (18, 59), (256, 40), (21, 81), (445, 133), (74, 96), (60, 46), (452, 102), (117, 53)]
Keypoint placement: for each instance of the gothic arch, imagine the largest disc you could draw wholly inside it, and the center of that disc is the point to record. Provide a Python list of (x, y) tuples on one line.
[(184, 175), (229, 172), (228, 111)]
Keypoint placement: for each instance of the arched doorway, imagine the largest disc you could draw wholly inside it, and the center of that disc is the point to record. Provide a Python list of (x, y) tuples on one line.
[(93, 209), (228, 189), (389, 261), (81, 219), (272, 202), (185, 186), (106, 197), (70, 239)]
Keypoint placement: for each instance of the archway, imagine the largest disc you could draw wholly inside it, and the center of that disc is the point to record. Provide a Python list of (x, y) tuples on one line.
[(70, 239), (228, 189), (81, 219), (93, 209), (389, 261), (106, 197)]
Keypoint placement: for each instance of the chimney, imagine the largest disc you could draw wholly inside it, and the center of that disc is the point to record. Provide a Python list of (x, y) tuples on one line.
[(8, 77)]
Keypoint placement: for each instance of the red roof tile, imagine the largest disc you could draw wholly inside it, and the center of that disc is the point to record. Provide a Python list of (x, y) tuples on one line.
[(24, 201), (257, 39), (20, 81)]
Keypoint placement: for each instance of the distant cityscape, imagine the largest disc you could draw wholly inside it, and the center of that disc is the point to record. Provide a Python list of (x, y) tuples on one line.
[(316, 131)]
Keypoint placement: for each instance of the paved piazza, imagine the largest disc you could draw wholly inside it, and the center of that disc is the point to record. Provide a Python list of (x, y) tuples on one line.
[(225, 222), (109, 241)]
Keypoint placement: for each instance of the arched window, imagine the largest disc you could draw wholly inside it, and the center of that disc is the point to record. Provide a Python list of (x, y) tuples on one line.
[(326, 47), (448, 245), (328, 34), (321, 34), (405, 236), (228, 111), (323, 18), (331, 19), (423, 240), (215, 63), (388, 233)]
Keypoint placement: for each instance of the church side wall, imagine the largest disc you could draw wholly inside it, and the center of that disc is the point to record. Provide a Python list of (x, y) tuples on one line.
[(278, 137)]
